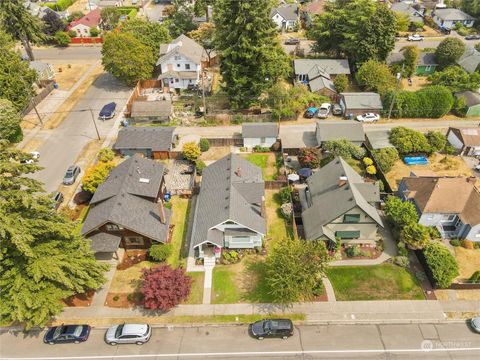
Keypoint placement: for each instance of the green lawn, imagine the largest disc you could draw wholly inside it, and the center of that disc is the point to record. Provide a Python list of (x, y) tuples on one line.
[(180, 211), (277, 227), (265, 161), (196, 293), (224, 289), (378, 282), (81, 218)]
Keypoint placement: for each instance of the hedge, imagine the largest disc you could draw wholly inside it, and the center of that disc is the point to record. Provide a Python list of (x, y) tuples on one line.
[(60, 5), (442, 264)]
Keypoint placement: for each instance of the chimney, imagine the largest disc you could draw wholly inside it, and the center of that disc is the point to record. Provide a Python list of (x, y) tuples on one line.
[(263, 210), (238, 172), (161, 211), (342, 180)]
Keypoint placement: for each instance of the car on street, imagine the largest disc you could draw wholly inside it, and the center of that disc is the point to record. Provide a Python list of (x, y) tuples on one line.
[(57, 196), (368, 117), (337, 109), (310, 112), (108, 111), (292, 41), (477, 167), (475, 324), (71, 175), (279, 328), (472, 37), (35, 155), (67, 334), (324, 110), (128, 334), (415, 37)]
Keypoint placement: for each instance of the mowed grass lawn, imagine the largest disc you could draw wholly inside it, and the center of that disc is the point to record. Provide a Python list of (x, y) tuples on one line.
[(224, 289), (196, 293), (277, 227), (179, 219), (378, 282), (265, 161)]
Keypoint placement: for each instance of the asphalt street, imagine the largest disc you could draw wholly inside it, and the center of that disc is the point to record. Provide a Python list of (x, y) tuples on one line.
[(63, 145), (431, 42), (406, 341)]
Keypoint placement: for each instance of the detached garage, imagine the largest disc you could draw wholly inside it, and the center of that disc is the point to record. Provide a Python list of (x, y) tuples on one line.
[(259, 134), (360, 103)]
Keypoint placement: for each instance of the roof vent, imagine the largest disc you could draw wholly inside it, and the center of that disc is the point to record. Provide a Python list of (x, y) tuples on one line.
[(144, 180), (342, 180), (238, 172)]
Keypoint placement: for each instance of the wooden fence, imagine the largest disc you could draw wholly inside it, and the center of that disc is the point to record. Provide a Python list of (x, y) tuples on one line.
[(142, 84), (233, 141), (47, 89), (275, 184)]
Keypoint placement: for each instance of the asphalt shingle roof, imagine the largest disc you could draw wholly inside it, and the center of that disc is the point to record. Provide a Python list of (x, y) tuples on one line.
[(330, 66), (104, 242), (453, 14), (469, 60), (472, 98), (349, 130), (142, 137), (258, 130), (185, 46), (288, 11), (160, 108), (362, 100)]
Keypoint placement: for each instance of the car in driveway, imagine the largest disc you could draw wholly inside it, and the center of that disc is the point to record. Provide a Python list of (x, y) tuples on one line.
[(108, 111), (273, 328), (71, 175), (324, 110), (475, 324), (368, 117), (472, 37), (292, 41), (128, 334), (415, 37), (57, 196), (67, 334), (337, 109), (310, 112)]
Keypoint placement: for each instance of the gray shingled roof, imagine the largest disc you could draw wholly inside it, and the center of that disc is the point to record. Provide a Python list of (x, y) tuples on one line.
[(362, 100), (331, 66), (423, 58), (453, 15), (349, 130), (160, 108), (155, 138), (379, 139), (469, 60), (407, 9), (185, 46), (231, 189), (104, 242), (258, 130), (127, 198), (471, 98), (330, 201), (288, 11)]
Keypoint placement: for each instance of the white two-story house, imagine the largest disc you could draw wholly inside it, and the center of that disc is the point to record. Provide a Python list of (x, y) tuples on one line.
[(285, 16)]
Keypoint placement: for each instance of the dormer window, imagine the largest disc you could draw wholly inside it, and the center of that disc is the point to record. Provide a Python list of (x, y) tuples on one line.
[(178, 57)]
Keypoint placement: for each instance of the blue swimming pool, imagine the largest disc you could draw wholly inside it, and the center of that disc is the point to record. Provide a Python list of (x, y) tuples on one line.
[(415, 160)]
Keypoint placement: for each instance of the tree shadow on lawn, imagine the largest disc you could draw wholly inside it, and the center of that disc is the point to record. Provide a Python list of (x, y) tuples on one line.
[(254, 284)]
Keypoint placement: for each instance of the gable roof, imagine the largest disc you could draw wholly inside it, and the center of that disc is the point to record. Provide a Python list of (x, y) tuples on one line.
[(468, 136), (330, 66), (362, 100), (288, 12), (232, 189), (160, 108), (92, 19), (184, 46), (327, 200), (472, 98), (258, 130), (453, 15), (156, 138), (127, 198), (470, 59), (433, 194), (407, 9), (423, 58), (349, 130)]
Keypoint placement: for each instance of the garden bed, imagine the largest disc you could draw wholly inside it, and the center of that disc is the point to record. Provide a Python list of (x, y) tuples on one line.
[(80, 300), (124, 300), (131, 258), (364, 253)]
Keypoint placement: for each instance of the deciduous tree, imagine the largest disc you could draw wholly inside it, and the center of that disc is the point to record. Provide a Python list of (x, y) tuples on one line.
[(10, 122), (449, 51), (309, 157), (409, 141), (181, 19), (375, 76), (400, 213), (344, 148), (410, 57), (341, 83), (416, 236), (442, 263), (96, 175), (149, 33), (386, 158), (437, 140), (456, 79), (191, 151)]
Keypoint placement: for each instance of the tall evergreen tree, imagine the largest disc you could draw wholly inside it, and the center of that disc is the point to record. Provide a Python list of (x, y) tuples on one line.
[(10, 122), (43, 259), (251, 57), (20, 24)]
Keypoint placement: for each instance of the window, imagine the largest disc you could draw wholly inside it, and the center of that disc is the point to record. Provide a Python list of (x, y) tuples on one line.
[(347, 234), (262, 139), (113, 227), (351, 218), (428, 68), (178, 57), (187, 66), (178, 65), (176, 80), (134, 240), (449, 217), (241, 239)]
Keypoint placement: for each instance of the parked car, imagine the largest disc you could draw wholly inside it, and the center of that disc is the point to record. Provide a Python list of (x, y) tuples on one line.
[(280, 328), (368, 117), (310, 112), (475, 324), (292, 41), (108, 111), (35, 156), (128, 334), (67, 334), (71, 175), (337, 109), (324, 110), (415, 37), (477, 167), (472, 37), (58, 198)]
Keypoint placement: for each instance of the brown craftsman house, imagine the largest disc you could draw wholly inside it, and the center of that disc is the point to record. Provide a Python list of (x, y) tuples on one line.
[(127, 209)]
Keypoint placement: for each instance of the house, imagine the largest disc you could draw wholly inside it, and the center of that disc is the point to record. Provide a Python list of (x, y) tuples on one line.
[(472, 102), (351, 131), (415, 12), (285, 16), (319, 81), (295, 138), (109, 3), (426, 62), (44, 71), (310, 9), (259, 134), (448, 18), (338, 204), (318, 74), (230, 209), (358, 103), (470, 60), (89, 21), (181, 63), (465, 140), (154, 142), (432, 197), (378, 139), (158, 111), (127, 209)]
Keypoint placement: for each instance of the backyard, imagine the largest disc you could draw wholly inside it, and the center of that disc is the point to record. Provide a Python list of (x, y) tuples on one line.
[(265, 161), (277, 227), (468, 262), (180, 210), (378, 282)]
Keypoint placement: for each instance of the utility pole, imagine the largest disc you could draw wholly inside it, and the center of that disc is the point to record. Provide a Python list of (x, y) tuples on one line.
[(203, 94), (30, 98), (38, 114), (94, 123), (399, 79)]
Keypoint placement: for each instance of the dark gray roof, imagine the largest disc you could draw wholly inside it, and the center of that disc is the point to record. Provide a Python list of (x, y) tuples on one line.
[(330, 66), (320, 83), (127, 198), (379, 139), (288, 11), (232, 189), (423, 58), (407, 9), (327, 200), (160, 108), (472, 98), (104, 242), (362, 100), (257, 130), (349, 130), (156, 138), (452, 15), (469, 60), (185, 46)]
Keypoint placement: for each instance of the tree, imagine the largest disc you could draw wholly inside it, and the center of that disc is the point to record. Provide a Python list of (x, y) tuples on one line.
[(105, 155), (375, 76), (160, 252), (345, 28), (94, 32), (10, 122), (294, 270), (191, 151), (251, 56), (403, 21), (449, 51), (62, 39), (410, 57), (408, 141), (341, 83), (43, 259), (309, 157), (181, 19), (456, 79), (164, 287), (16, 78), (342, 148), (414, 235), (205, 35), (441, 263), (52, 23), (127, 58), (400, 213), (96, 175), (110, 18), (204, 145), (386, 158), (20, 24), (150, 34), (437, 140), (471, 7)]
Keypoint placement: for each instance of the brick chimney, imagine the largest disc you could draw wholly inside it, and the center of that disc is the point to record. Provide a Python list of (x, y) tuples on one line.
[(238, 172), (342, 180), (161, 211), (263, 209)]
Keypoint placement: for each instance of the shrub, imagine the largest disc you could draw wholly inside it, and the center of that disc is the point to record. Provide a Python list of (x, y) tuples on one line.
[(285, 194), (94, 32), (61, 38), (230, 257), (72, 33), (436, 140), (105, 155), (450, 149), (343, 148), (259, 148), (467, 244), (116, 298), (200, 165), (401, 261), (449, 51), (204, 145), (400, 213), (353, 251), (367, 161), (164, 287), (455, 242), (191, 151), (402, 249), (96, 175), (386, 158), (408, 141), (341, 83), (371, 170), (160, 252), (442, 264), (309, 157), (475, 278), (416, 236)]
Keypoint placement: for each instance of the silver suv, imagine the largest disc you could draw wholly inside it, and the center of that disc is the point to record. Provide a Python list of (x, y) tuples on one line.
[(128, 334)]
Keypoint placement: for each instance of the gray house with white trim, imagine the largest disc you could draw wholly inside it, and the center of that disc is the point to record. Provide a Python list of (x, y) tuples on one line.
[(259, 134)]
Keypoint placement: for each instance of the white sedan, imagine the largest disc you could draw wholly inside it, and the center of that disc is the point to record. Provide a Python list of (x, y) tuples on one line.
[(368, 117), (415, 37)]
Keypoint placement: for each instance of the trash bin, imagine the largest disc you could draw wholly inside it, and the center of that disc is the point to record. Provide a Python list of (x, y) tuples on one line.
[(55, 85), (350, 116)]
